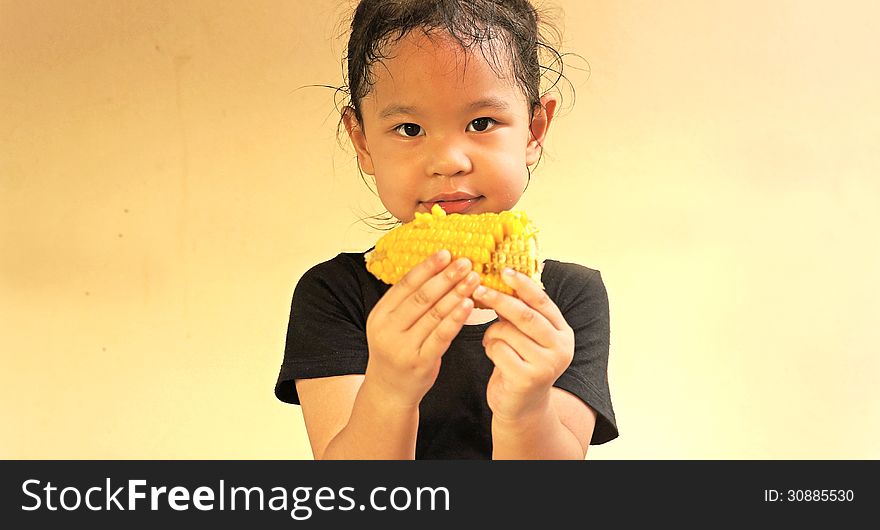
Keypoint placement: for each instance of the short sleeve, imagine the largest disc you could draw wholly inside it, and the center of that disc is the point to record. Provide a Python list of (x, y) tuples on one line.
[(326, 333), (583, 301)]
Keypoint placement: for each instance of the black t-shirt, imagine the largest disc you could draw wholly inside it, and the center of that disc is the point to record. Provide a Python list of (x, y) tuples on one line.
[(326, 336)]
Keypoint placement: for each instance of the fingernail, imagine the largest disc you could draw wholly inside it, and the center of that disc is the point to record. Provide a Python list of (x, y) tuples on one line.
[(464, 286), (480, 291), (507, 275), (462, 264), (441, 255)]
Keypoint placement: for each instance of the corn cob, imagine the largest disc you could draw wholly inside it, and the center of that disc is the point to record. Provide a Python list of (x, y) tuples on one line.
[(492, 241)]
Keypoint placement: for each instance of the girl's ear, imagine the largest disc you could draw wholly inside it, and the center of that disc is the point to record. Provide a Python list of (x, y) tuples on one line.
[(358, 140), (541, 119)]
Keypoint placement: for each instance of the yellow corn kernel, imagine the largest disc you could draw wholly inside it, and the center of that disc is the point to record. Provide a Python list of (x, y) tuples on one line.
[(492, 241)]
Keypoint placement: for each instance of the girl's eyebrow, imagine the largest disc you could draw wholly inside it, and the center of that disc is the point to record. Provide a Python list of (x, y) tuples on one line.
[(494, 103), (491, 102), (395, 110)]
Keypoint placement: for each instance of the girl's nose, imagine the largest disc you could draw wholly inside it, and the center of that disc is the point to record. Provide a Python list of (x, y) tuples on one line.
[(448, 158)]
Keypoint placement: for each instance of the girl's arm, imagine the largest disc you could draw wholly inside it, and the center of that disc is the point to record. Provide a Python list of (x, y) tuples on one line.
[(345, 419), (531, 345), (376, 415), (558, 428)]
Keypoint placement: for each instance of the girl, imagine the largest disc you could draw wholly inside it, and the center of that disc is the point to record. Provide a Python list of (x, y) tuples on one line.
[(445, 109)]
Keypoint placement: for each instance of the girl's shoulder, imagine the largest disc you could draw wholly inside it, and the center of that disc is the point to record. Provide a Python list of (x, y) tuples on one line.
[(344, 264), (345, 267), (572, 283), (343, 278), (563, 272)]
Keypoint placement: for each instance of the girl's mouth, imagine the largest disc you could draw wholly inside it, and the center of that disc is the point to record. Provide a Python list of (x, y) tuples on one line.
[(456, 206)]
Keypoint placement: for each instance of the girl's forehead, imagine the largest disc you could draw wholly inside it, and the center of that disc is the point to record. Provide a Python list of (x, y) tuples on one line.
[(434, 58)]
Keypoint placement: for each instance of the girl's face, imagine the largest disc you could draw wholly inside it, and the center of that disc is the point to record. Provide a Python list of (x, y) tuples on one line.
[(440, 126)]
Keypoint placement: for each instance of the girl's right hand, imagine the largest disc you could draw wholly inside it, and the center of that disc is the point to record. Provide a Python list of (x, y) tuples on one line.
[(413, 324)]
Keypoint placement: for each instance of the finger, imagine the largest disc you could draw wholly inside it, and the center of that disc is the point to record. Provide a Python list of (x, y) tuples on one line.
[(525, 318), (438, 341), (423, 303), (423, 300), (534, 296), (432, 318), (504, 357), (414, 279), (529, 350)]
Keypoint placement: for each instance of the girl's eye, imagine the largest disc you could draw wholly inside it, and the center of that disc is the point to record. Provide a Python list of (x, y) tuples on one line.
[(481, 124), (409, 130)]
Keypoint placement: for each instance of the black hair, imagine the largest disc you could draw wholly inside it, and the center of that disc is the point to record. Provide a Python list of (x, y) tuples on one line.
[(378, 24)]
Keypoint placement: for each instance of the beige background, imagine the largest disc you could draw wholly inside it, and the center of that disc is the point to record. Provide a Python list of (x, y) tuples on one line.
[(164, 185)]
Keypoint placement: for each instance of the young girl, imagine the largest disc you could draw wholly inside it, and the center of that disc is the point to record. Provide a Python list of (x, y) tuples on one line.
[(446, 109)]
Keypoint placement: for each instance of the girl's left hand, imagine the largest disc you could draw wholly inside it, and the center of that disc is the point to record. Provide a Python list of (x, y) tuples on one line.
[(531, 346)]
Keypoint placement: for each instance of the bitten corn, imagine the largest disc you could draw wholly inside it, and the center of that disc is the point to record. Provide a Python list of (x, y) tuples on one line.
[(492, 241)]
